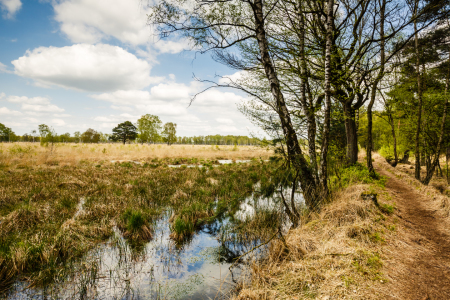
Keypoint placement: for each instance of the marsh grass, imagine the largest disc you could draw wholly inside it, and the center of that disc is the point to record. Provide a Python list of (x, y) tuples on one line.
[(25, 155), (44, 226)]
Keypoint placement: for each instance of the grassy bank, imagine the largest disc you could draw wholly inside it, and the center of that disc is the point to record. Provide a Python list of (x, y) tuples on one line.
[(336, 253)]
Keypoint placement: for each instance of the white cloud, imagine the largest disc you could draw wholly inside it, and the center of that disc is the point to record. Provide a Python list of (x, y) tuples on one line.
[(58, 122), (122, 108), (224, 121), (23, 99), (121, 97), (10, 7), (95, 68), (166, 46), (87, 21), (232, 78), (7, 112), (42, 108), (4, 68), (35, 104)]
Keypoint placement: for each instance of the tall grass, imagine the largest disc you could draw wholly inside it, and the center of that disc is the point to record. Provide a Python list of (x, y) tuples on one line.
[(31, 154)]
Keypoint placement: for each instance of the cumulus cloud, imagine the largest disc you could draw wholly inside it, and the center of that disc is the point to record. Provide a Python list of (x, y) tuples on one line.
[(10, 8), (212, 112), (232, 78), (35, 104), (7, 112), (58, 122), (95, 68), (87, 21)]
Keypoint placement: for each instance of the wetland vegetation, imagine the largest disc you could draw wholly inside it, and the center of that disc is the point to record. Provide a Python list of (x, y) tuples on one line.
[(55, 212)]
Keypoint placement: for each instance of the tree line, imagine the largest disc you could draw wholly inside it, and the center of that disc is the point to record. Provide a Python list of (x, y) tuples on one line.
[(148, 129), (315, 69)]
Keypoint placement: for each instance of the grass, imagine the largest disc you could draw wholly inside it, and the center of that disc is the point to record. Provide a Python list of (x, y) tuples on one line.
[(42, 231), (26, 155), (336, 253)]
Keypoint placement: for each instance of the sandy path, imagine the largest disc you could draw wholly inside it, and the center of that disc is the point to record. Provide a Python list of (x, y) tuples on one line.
[(417, 260)]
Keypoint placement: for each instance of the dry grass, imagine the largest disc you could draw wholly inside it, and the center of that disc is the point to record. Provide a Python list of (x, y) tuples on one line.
[(28, 154), (336, 254), (438, 189)]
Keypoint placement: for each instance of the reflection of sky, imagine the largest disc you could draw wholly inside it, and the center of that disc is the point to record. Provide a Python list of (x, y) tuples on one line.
[(162, 269)]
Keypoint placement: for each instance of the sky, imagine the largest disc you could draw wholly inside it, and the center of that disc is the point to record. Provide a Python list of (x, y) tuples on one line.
[(79, 64)]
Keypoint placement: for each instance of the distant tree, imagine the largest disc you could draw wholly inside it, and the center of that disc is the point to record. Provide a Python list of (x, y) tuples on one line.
[(48, 135), (123, 132), (34, 134), (104, 137), (6, 134), (170, 133), (149, 128), (90, 136), (64, 138), (77, 136)]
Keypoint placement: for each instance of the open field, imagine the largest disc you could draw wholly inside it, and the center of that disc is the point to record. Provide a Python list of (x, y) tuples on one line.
[(32, 154)]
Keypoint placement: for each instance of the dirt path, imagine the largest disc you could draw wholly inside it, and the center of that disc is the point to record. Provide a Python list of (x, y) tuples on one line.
[(418, 258)]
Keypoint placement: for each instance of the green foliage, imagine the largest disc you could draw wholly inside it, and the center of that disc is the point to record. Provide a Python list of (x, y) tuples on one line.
[(90, 136), (170, 133), (124, 132), (6, 134), (356, 173), (149, 129), (48, 135)]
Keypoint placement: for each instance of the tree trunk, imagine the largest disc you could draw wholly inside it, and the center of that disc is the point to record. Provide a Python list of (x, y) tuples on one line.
[(350, 130), (308, 109), (391, 121), (427, 179), (373, 95), (327, 117), (419, 95), (293, 147)]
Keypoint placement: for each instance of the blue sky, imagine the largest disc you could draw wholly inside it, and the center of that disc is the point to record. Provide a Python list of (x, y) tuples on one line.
[(79, 64)]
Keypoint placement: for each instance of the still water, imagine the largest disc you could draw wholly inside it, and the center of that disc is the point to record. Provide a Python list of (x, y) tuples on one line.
[(205, 267)]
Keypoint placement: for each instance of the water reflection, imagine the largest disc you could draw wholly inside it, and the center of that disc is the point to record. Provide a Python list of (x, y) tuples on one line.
[(161, 270), (196, 269)]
